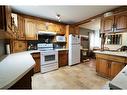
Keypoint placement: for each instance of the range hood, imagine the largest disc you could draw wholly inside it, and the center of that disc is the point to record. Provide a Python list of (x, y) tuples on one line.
[(46, 33)]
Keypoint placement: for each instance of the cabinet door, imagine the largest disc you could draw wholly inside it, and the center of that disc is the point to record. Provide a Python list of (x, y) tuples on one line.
[(8, 18), (18, 46), (62, 29), (116, 67), (103, 67), (30, 29), (21, 28), (107, 24), (36, 57), (51, 27), (2, 18), (41, 26), (120, 22), (63, 58)]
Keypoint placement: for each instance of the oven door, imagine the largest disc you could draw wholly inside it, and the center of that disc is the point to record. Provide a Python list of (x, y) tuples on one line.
[(49, 57)]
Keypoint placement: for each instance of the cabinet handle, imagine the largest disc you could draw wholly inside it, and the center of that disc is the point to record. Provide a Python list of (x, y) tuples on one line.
[(109, 65)]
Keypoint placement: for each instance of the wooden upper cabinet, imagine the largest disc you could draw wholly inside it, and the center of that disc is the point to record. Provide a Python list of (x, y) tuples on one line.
[(2, 18), (120, 22), (50, 27), (30, 29), (73, 30), (41, 25), (21, 27), (60, 29), (114, 23), (107, 24), (6, 22), (8, 18)]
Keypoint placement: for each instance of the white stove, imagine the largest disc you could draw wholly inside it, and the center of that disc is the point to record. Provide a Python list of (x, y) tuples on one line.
[(49, 57)]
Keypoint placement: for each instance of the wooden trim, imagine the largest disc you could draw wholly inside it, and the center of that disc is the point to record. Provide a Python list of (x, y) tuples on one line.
[(116, 10)]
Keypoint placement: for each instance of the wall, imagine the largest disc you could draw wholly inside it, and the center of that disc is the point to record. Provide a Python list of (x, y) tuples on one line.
[(2, 50), (94, 26), (124, 42)]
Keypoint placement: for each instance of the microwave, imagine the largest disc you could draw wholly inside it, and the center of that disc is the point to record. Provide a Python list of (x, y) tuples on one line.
[(60, 39)]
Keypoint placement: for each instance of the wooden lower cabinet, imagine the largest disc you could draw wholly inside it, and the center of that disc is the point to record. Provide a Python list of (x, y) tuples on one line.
[(37, 67), (107, 67), (102, 67), (116, 67), (18, 46), (63, 58), (25, 82)]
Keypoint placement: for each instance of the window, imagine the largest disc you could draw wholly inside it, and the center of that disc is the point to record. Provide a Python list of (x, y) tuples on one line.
[(114, 39)]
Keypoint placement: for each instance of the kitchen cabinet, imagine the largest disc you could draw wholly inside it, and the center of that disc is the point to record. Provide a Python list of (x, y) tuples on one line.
[(74, 30), (63, 58), (25, 82), (37, 67), (5, 22), (41, 25), (21, 27), (116, 67), (30, 29), (50, 27), (2, 18), (102, 67), (18, 46), (114, 23), (107, 24), (109, 66), (60, 29)]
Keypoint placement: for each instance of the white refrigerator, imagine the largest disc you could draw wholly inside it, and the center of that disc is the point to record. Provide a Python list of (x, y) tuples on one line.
[(74, 49)]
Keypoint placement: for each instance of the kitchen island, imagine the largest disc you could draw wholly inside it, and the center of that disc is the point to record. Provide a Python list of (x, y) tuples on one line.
[(16, 71), (109, 64)]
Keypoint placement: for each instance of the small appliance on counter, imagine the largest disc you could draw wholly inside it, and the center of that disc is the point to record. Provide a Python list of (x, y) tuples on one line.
[(60, 39)]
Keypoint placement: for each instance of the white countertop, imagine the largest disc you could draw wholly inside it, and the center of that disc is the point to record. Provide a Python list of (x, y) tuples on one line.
[(61, 49), (120, 80), (14, 67), (122, 54)]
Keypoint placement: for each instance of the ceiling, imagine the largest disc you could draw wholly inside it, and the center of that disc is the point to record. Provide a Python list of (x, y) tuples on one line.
[(93, 24), (69, 14)]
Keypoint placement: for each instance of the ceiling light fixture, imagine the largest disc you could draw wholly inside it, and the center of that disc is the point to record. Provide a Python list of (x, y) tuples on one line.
[(58, 17)]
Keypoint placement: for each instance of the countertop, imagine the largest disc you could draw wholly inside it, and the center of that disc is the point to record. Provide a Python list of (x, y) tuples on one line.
[(14, 67), (61, 49), (120, 81), (122, 54)]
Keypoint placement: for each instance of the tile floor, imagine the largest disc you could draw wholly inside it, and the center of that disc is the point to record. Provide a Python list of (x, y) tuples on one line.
[(80, 76)]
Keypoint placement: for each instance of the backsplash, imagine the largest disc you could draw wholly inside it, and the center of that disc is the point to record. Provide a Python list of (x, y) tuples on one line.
[(2, 48)]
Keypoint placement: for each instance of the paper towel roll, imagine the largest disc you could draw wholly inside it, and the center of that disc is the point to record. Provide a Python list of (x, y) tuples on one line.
[(8, 49)]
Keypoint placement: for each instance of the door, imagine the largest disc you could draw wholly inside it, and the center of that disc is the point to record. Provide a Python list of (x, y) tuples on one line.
[(21, 28), (120, 22), (2, 18), (30, 29), (18, 46), (63, 58), (107, 24), (49, 57), (116, 67), (41, 26), (103, 67)]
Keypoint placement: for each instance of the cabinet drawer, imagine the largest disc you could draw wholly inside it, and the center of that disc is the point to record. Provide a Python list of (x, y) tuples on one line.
[(111, 57)]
